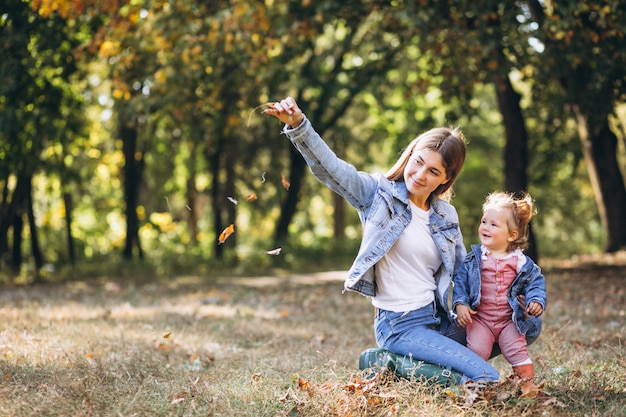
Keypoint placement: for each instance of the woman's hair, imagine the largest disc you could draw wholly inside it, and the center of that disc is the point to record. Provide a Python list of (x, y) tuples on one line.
[(448, 142), (520, 211)]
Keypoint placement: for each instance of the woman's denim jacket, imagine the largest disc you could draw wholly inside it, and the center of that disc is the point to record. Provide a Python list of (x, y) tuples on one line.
[(384, 210), (529, 282)]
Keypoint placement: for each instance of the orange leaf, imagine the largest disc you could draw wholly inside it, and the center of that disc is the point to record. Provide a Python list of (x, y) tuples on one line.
[(285, 182), (529, 390), (227, 232), (251, 197)]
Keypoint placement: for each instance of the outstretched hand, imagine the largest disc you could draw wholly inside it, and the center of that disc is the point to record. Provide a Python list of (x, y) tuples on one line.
[(287, 111)]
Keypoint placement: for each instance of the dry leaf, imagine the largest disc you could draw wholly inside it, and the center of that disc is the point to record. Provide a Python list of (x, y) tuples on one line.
[(167, 335), (232, 200), (285, 182), (251, 197), (179, 398), (529, 390), (225, 233)]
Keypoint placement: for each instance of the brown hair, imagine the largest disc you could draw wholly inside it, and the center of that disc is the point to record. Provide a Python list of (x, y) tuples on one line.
[(448, 142), (520, 207)]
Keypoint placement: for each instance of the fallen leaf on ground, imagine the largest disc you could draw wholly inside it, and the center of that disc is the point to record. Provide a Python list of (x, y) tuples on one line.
[(179, 398)]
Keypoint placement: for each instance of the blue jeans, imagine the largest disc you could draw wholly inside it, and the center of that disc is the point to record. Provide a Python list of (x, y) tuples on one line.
[(418, 334)]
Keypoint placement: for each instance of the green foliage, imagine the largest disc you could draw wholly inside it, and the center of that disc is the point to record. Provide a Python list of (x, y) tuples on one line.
[(371, 76)]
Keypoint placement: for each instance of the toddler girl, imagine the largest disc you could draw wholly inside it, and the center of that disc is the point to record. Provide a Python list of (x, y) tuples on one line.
[(500, 293)]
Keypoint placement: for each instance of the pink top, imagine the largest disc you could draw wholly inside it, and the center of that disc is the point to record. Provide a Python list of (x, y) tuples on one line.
[(496, 277)]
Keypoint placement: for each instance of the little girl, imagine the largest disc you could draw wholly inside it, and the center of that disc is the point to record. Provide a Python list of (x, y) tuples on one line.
[(500, 293)]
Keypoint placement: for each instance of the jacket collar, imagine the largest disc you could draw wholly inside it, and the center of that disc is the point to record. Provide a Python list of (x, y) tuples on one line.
[(401, 193)]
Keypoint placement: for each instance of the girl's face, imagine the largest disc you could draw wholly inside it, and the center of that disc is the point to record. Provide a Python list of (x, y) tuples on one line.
[(494, 232), (423, 173)]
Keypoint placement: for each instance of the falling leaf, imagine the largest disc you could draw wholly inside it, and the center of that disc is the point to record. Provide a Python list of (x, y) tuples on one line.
[(167, 335), (285, 182), (227, 232), (274, 251), (232, 200), (251, 197), (263, 177)]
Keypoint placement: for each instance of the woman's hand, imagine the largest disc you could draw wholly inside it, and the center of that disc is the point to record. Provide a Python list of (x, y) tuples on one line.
[(287, 111), (464, 314)]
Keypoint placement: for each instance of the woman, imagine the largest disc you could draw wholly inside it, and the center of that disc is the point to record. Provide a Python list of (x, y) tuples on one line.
[(412, 243)]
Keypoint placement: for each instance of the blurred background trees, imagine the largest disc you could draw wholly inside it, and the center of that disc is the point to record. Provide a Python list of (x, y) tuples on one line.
[(133, 129)]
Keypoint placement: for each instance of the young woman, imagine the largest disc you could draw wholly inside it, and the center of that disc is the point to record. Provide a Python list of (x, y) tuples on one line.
[(494, 279), (412, 243)]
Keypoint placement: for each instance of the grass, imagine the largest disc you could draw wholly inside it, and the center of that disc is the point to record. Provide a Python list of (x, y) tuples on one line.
[(282, 345)]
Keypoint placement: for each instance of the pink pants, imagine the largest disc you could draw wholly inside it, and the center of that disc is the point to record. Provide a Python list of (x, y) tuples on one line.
[(482, 334)]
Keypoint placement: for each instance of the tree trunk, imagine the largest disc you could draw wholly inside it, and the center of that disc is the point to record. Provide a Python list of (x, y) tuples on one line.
[(34, 240), (216, 197), (288, 209), (516, 148), (599, 146), (132, 178), (11, 204), (71, 251), (16, 253), (192, 196)]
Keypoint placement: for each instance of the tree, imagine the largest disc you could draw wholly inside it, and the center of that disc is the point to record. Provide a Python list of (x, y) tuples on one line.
[(37, 106), (584, 44)]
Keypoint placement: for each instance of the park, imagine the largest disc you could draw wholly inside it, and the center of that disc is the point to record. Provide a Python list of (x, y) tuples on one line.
[(166, 251)]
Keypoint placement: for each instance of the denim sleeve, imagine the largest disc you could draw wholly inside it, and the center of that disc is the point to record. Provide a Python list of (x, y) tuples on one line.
[(358, 188), (461, 287), (536, 289)]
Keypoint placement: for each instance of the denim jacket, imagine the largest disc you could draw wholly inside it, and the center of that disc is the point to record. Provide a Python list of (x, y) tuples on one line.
[(529, 282), (384, 211)]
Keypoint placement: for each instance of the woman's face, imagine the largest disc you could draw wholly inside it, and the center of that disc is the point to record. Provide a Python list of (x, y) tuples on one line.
[(423, 173)]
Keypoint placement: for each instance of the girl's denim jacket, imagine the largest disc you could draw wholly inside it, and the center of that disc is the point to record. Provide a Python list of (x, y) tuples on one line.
[(384, 210), (529, 282)]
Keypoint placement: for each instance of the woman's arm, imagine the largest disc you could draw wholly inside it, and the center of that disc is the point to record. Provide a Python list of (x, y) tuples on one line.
[(358, 188)]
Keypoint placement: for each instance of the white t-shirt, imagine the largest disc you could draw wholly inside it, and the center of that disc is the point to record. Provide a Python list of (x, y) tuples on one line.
[(405, 275)]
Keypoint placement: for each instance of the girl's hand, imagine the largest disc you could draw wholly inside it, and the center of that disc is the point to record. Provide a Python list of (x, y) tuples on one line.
[(534, 308), (287, 111), (464, 314)]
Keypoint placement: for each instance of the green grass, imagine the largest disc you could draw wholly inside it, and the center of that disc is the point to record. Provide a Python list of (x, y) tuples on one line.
[(281, 345)]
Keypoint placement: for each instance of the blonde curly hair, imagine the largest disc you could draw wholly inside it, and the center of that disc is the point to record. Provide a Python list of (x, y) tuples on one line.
[(521, 210)]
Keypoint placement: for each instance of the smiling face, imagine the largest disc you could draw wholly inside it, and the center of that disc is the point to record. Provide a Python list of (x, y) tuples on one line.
[(494, 232), (423, 173)]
